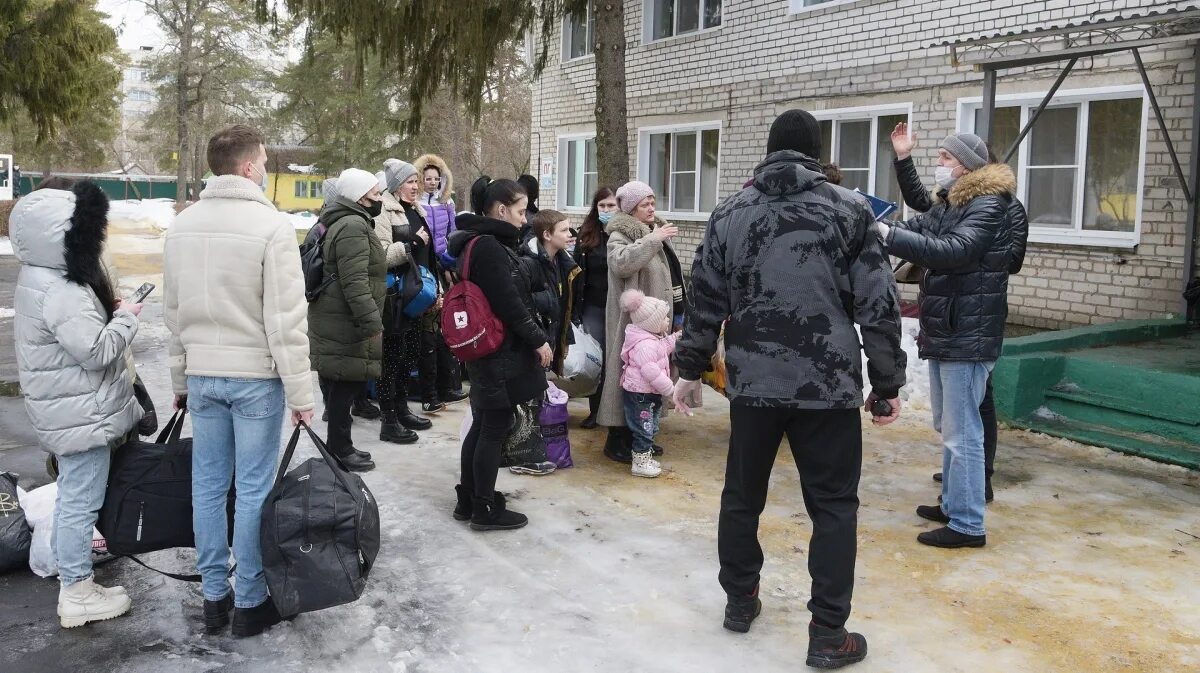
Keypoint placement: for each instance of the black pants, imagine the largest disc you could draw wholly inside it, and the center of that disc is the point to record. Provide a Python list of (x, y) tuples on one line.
[(339, 397), (437, 368), (399, 356), (827, 446), (481, 450), (363, 396), (987, 411)]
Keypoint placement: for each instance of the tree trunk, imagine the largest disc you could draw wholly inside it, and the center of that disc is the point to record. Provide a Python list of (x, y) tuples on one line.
[(182, 132), (612, 127)]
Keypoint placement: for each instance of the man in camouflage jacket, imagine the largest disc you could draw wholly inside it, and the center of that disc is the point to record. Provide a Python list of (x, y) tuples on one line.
[(793, 262)]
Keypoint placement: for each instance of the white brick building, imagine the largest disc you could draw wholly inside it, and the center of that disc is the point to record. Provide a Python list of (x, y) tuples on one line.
[(1109, 213)]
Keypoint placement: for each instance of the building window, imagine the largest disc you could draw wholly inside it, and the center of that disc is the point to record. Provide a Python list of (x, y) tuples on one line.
[(301, 189), (681, 165), (577, 33), (577, 172), (679, 17), (1079, 169), (859, 142), (309, 189), (140, 96)]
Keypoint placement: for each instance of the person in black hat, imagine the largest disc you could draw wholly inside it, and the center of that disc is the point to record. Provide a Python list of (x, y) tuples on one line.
[(794, 366)]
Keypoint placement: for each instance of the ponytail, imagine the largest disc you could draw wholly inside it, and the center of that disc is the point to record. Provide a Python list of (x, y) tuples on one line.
[(486, 193)]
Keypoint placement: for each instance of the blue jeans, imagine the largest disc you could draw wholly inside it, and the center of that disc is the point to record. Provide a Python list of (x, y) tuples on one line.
[(236, 426), (82, 480), (642, 411), (956, 390)]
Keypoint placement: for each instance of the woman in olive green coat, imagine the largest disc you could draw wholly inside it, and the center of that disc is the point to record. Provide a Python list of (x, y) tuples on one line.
[(345, 322)]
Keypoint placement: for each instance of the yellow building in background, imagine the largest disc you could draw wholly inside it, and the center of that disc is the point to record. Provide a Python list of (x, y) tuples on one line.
[(293, 182)]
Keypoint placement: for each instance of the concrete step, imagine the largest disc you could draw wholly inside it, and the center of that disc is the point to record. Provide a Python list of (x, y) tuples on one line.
[(1146, 445)]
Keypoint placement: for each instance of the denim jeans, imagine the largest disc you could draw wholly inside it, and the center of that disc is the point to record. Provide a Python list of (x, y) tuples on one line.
[(82, 480), (236, 427), (642, 412), (956, 389)]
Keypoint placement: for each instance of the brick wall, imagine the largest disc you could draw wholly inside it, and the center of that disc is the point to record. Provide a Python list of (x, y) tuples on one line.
[(763, 60)]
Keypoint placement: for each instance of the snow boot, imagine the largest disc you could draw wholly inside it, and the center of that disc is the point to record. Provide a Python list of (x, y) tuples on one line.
[(741, 612), (948, 538), (834, 648), (495, 515), (391, 430), (253, 621), (462, 510), (86, 601), (410, 420), (644, 465), (216, 614)]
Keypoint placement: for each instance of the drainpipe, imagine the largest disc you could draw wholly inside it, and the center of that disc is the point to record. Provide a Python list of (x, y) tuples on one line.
[(1189, 252)]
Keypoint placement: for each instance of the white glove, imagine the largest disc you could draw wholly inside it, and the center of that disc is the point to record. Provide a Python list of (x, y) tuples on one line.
[(883, 230), (686, 391)]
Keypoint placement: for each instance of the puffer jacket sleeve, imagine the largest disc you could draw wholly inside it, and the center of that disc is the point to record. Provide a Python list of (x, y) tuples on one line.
[(285, 317), (916, 196), (708, 303), (490, 270), (964, 244), (626, 258), (71, 315), (1018, 222), (352, 254), (877, 312)]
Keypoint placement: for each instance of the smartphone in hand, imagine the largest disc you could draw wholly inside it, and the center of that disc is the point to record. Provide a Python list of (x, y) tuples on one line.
[(141, 293)]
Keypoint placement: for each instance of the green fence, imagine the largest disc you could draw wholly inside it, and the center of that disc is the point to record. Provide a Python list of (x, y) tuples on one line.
[(117, 186)]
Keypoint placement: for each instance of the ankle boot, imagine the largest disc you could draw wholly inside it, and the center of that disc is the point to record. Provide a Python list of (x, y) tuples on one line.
[(410, 420), (834, 648), (391, 430), (216, 614), (495, 515), (255, 620), (463, 509), (364, 408), (352, 462), (86, 601), (619, 445)]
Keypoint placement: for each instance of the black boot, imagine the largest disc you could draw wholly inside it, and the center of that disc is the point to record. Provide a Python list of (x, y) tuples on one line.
[(619, 445), (255, 620), (948, 538), (495, 515), (364, 408), (352, 462), (462, 510), (216, 614), (834, 648), (391, 431), (589, 423), (741, 612), (410, 420)]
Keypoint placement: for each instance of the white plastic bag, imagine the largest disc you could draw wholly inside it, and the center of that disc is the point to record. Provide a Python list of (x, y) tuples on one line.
[(582, 366), (39, 511)]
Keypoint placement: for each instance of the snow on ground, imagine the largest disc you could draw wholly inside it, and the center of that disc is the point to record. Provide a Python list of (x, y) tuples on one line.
[(5, 246), (6, 312), (158, 213), (303, 221), (915, 393)]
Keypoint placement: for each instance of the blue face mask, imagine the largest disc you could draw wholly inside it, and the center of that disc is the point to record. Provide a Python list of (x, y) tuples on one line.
[(605, 217)]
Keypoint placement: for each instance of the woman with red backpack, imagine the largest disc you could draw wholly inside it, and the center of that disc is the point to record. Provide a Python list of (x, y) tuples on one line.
[(485, 247)]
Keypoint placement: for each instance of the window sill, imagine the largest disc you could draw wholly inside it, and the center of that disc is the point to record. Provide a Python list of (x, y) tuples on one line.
[(1123, 240), (683, 37), (684, 217), (574, 210), (578, 59)]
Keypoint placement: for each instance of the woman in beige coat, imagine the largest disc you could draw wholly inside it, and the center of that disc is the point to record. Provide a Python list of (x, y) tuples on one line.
[(640, 257)]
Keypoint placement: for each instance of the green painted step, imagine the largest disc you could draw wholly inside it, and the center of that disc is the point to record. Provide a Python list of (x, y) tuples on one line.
[(1169, 394), (1084, 410), (1126, 405), (1145, 445)]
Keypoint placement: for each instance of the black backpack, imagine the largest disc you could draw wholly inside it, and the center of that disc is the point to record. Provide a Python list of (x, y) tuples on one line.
[(319, 532), (312, 262), (148, 504)]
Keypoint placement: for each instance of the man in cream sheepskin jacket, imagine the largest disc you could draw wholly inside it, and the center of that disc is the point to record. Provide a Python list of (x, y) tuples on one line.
[(234, 303)]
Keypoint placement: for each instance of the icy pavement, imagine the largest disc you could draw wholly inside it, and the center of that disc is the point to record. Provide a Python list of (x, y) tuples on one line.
[(6, 247)]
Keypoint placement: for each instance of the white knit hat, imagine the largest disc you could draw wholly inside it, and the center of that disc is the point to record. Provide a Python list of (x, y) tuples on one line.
[(649, 313), (354, 183), (631, 194)]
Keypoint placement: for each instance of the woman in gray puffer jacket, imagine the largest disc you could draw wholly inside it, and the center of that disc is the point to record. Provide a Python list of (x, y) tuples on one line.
[(71, 336)]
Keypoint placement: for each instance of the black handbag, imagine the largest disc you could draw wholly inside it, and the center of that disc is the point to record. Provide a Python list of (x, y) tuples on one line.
[(319, 532)]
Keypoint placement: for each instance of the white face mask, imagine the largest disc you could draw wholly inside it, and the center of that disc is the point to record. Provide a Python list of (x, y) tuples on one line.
[(262, 184), (944, 177)]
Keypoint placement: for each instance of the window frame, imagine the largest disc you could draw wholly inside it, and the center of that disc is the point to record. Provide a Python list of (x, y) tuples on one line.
[(1076, 235), (648, 15), (589, 23), (560, 180), (643, 163), (870, 113)]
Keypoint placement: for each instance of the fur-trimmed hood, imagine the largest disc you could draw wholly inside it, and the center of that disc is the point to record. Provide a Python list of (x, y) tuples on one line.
[(444, 194), (41, 220), (991, 180), (631, 227)]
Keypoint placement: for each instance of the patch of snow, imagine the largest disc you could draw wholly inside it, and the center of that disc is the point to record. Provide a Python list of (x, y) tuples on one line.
[(915, 393), (6, 312), (158, 213), (303, 221), (5, 246), (300, 168)]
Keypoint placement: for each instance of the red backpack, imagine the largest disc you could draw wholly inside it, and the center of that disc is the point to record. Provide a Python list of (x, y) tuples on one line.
[(470, 328)]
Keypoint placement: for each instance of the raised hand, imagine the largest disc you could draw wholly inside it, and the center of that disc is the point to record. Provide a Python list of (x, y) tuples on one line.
[(902, 142)]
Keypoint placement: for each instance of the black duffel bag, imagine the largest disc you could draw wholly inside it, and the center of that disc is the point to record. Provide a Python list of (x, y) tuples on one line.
[(148, 505), (320, 533)]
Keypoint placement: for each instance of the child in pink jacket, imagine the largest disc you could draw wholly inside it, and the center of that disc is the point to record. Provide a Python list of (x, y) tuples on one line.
[(646, 374)]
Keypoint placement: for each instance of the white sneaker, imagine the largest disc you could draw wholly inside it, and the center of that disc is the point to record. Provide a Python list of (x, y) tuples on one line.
[(644, 465), (87, 601)]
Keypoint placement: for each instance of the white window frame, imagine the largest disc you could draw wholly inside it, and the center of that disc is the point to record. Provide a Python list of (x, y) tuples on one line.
[(1077, 235), (649, 7), (589, 36), (560, 187), (798, 6), (643, 163), (870, 113)]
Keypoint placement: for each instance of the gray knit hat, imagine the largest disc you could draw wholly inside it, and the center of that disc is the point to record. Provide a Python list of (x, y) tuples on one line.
[(968, 148), (397, 172), (330, 191)]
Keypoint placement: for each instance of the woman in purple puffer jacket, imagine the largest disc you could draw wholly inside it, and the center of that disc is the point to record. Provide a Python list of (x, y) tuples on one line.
[(438, 184)]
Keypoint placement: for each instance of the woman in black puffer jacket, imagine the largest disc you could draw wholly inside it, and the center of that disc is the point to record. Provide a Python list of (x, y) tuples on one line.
[(515, 374)]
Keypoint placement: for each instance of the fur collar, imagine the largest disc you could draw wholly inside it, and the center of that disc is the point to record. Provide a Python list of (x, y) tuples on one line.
[(631, 227), (991, 180), (234, 187)]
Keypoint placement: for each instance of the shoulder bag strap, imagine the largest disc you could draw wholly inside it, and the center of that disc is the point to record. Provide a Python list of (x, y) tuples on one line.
[(174, 429)]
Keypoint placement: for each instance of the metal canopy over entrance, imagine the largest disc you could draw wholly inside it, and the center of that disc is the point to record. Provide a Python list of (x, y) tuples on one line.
[(1072, 41)]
